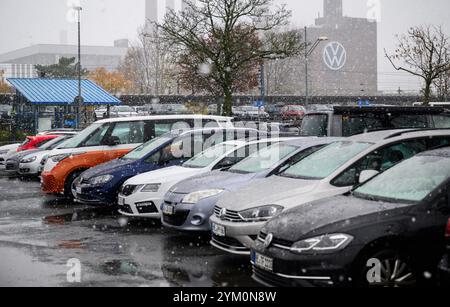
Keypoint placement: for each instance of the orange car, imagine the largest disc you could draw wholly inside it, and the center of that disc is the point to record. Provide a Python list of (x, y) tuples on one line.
[(110, 139)]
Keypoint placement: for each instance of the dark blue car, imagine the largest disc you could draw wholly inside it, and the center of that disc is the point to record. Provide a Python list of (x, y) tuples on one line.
[(100, 185)]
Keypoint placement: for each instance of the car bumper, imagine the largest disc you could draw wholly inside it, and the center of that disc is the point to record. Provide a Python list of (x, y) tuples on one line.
[(239, 237), (135, 206), (12, 167), (29, 169), (295, 270), (50, 184), (189, 217), (95, 195)]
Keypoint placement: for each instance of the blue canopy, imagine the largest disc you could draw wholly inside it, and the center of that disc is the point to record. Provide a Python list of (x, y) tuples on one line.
[(43, 91)]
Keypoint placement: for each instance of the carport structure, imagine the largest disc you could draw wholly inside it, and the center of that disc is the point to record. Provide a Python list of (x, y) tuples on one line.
[(44, 104)]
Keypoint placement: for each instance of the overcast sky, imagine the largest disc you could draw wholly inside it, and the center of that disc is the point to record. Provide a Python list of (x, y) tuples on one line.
[(28, 22)]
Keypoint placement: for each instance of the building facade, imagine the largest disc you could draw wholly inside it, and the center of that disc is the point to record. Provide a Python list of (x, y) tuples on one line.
[(92, 57)]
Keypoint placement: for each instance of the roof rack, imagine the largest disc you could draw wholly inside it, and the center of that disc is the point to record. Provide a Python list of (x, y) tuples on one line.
[(413, 130)]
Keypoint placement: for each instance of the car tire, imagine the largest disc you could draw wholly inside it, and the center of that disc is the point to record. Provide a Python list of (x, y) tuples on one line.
[(386, 268), (69, 182)]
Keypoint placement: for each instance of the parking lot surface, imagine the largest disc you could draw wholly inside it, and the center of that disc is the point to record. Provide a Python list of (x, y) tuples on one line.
[(39, 235)]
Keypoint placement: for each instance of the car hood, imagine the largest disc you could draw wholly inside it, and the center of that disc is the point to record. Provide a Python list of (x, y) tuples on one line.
[(337, 214), (269, 191), (214, 180), (117, 165), (9, 147), (20, 155), (164, 175)]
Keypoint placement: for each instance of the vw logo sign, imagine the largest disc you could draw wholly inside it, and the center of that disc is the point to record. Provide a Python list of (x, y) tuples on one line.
[(334, 56), (223, 213), (268, 240)]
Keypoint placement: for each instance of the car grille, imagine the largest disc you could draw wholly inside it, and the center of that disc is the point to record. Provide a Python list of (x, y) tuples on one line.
[(178, 219), (229, 243), (276, 241), (231, 216), (147, 208), (127, 190), (10, 166)]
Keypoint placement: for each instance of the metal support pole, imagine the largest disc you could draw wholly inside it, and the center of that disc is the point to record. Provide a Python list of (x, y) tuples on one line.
[(306, 68), (79, 100)]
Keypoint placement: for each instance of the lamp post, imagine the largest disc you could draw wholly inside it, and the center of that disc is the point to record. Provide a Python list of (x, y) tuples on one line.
[(308, 52), (79, 99)]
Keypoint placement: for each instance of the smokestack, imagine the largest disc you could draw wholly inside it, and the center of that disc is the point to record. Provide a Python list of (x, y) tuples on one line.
[(333, 8)]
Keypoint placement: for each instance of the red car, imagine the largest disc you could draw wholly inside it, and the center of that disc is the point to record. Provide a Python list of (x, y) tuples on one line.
[(293, 112), (33, 142)]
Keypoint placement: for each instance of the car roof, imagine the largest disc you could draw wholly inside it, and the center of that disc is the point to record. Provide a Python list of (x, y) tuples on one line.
[(378, 136), (302, 141), (157, 117)]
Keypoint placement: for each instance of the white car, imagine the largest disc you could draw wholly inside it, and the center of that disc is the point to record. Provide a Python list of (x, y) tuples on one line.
[(142, 196), (30, 165), (331, 171), (6, 151)]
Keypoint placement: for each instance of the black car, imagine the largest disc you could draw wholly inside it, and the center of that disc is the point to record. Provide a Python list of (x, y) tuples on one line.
[(444, 266), (387, 232)]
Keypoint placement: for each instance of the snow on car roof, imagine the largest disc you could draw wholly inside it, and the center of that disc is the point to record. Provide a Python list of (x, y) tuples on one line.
[(159, 117)]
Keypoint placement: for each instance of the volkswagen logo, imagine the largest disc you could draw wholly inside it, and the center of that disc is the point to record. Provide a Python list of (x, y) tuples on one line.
[(223, 213), (334, 56), (268, 240)]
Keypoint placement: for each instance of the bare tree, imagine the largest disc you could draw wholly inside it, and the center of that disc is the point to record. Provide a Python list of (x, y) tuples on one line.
[(150, 64), (192, 29), (425, 51)]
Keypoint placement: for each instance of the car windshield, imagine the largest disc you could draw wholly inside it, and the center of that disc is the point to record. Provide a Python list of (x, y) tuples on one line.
[(324, 162), (411, 181), (297, 108), (263, 159), (146, 148), (81, 137), (208, 156), (53, 143)]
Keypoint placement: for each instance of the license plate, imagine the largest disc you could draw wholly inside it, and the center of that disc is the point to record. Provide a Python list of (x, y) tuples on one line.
[(168, 210), (121, 201), (78, 189), (264, 262), (218, 230)]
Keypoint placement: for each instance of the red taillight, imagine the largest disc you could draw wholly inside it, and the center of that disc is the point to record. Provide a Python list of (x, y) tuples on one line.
[(447, 230)]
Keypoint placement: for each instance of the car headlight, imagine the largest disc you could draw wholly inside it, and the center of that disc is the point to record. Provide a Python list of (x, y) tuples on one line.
[(101, 179), (61, 157), (260, 214), (325, 243), (195, 197), (29, 160), (151, 188)]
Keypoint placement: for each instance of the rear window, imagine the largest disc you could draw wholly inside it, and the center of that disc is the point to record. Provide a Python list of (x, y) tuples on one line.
[(315, 125), (441, 121)]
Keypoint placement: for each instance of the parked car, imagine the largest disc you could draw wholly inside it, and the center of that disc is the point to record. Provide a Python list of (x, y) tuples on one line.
[(5, 151), (63, 131), (293, 112), (33, 142), (444, 266), (387, 233), (348, 121), (194, 199), (333, 170), (100, 185), (29, 162), (110, 139), (142, 196), (274, 110), (250, 113)]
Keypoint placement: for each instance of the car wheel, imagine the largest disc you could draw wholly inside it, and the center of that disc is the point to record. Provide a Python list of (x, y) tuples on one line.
[(69, 182), (387, 268)]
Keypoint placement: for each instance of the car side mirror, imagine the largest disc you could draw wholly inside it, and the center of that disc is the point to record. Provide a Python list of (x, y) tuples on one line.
[(113, 141), (367, 175)]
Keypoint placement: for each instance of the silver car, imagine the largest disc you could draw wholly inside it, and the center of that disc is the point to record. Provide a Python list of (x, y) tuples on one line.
[(194, 198), (331, 171)]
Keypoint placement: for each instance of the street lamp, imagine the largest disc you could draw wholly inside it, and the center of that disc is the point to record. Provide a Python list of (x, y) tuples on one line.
[(308, 52), (79, 99)]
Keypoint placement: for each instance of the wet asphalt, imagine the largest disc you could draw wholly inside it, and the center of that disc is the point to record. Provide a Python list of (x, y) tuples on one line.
[(39, 235)]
